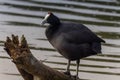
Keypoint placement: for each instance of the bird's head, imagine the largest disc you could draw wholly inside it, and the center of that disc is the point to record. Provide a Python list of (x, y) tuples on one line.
[(51, 19)]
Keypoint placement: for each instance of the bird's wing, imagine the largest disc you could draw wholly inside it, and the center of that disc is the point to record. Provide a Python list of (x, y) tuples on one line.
[(82, 36)]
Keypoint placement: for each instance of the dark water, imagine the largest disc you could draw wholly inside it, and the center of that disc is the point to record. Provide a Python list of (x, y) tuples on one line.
[(101, 16)]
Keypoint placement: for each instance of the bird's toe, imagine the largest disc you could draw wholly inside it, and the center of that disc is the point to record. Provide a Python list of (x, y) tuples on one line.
[(76, 77), (67, 73)]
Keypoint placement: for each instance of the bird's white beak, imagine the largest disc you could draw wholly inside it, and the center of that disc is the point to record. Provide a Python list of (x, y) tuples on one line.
[(43, 22)]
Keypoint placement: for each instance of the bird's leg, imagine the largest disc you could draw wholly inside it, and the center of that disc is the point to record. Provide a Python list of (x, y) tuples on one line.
[(68, 68), (77, 70)]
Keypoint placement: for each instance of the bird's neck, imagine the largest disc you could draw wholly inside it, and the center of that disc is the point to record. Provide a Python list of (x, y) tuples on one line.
[(51, 30)]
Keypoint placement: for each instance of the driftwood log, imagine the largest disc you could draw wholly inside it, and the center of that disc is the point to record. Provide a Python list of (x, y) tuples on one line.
[(29, 67)]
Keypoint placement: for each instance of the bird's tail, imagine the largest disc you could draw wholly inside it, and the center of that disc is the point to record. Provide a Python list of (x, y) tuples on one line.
[(96, 47)]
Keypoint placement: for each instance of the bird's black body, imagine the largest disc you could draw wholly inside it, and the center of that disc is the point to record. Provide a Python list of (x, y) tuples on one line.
[(72, 40)]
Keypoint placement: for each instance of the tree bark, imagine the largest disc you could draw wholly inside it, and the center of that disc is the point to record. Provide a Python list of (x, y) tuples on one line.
[(29, 67)]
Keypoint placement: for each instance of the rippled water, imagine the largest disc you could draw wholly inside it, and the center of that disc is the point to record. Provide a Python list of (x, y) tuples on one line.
[(24, 17)]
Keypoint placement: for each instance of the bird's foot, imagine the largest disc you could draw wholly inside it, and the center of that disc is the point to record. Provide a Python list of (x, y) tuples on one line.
[(67, 73), (76, 77)]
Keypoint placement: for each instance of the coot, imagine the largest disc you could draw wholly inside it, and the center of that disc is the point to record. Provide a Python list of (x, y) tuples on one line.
[(72, 40)]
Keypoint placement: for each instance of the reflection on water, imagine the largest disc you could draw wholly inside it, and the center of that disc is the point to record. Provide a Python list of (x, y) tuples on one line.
[(24, 17)]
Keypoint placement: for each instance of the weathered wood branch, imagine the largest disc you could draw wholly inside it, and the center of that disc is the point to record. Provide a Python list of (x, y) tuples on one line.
[(27, 64)]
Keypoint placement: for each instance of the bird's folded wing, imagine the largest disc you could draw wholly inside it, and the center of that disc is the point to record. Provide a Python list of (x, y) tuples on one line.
[(79, 37)]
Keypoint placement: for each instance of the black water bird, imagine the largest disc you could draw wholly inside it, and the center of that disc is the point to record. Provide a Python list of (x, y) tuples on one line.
[(72, 40)]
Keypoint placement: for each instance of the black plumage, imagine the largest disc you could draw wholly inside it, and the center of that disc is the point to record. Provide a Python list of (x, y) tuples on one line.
[(72, 40)]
